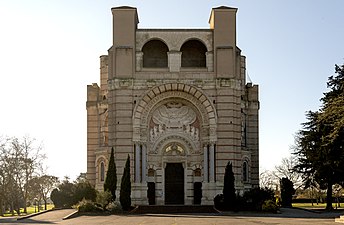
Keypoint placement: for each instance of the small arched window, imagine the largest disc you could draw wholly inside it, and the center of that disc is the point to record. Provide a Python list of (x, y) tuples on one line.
[(155, 54), (197, 172), (102, 171), (193, 54), (245, 171), (151, 172)]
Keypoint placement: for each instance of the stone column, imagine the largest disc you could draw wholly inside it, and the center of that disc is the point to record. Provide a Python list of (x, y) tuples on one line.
[(137, 163), (205, 164), (211, 163), (144, 163)]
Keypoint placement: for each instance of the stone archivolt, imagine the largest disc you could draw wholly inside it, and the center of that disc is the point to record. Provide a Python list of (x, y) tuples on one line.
[(159, 146), (174, 106)]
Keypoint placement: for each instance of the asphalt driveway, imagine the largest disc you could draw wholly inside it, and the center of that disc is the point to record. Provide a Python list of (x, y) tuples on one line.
[(286, 217)]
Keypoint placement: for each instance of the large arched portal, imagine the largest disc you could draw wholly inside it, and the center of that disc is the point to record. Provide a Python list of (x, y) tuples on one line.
[(173, 124), (174, 142)]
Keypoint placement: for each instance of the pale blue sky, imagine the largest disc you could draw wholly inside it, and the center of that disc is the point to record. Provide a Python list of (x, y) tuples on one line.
[(49, 52)]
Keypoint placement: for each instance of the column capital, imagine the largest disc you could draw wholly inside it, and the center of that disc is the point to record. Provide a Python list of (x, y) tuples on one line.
[(211, 142)]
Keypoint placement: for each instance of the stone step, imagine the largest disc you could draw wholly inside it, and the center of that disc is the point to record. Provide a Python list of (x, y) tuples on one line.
[(339, 220), (168, 209)]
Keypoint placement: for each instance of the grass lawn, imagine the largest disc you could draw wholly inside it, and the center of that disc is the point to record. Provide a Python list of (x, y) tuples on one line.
[(30, 210), (315, 206)]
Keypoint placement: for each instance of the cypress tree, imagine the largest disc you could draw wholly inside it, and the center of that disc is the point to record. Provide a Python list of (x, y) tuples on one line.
[(125, 192), (287, 191), (110, 183), (229, 196)]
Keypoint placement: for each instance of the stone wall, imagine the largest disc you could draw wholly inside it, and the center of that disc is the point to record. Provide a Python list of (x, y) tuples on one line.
[(223, 109)]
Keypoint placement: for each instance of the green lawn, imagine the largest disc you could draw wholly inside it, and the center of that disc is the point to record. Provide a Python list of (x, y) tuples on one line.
[(315, 206), (30, 210)]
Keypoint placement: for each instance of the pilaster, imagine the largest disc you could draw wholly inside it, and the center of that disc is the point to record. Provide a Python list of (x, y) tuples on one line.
[(174, 61)]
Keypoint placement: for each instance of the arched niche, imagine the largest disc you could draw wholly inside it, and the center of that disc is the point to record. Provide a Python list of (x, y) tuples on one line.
[(155, 54), (193, 54)]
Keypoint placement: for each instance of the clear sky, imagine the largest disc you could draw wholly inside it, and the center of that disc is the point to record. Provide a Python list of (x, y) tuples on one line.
[(49, 52)]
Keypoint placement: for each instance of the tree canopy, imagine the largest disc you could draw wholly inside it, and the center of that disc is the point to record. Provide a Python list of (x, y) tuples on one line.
[(319, 144), (20, 161), (68, 194)]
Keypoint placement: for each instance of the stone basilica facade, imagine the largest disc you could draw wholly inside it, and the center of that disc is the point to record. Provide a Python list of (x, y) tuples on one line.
[(178, 103)]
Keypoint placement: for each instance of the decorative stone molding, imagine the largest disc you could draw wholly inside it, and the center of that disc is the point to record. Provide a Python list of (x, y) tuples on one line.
[(160, 145), (231, 83), (120, 83), (152, 166), (196, 166), (246, 155), (204, 83), (101, 159)]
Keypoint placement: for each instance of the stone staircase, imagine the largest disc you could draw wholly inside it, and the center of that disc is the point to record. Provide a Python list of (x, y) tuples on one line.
[(339, 220), (173, 209)]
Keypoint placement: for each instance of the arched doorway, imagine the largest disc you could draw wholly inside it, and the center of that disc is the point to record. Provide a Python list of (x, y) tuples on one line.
[(174, 184), (174, 158)]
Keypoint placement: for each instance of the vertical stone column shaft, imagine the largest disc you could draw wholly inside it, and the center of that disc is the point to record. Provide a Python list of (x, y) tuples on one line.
[(205, 163), (144, 162), (137, 163), (211, 163)]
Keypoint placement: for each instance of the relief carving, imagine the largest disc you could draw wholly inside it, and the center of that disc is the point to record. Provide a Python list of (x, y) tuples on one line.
[(172, 94), (174, 117), (172, 112)]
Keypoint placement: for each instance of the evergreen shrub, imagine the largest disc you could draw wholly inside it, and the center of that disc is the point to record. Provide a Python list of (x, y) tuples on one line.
[(269, 206), (88, 206)]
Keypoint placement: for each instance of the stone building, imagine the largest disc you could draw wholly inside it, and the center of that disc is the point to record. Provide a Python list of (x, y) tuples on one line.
[(177, 101)]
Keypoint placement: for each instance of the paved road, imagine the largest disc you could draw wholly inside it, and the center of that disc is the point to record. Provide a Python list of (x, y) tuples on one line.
[(50, 217), (287, 217)]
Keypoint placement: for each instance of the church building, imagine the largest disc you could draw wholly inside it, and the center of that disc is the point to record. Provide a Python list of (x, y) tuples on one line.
[(178, 103)]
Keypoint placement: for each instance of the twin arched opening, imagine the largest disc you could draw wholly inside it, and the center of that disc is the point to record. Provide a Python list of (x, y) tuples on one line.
[(155, 54)]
